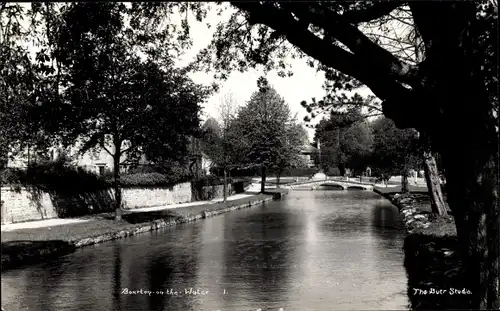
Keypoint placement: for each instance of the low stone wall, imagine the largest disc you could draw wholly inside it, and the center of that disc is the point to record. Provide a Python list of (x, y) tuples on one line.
[(148, 197), (24, 205), (18, 206), (208, 193), (432, 259)]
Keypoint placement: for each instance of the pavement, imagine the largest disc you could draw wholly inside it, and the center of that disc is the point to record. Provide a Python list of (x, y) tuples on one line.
[(65, 221)]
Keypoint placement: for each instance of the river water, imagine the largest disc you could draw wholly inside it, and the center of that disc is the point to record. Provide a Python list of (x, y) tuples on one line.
[(313, 250)]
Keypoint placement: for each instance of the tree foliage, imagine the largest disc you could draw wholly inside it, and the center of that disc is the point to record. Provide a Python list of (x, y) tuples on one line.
[(269, 134), (345, 140), (21, 87), (104, 74), (394, 150)]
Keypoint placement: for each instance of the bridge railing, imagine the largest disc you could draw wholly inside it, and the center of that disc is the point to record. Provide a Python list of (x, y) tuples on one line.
[(343, 184)]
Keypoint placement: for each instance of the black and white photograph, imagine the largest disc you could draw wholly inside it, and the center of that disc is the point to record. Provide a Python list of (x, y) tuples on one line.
[(249, 155)]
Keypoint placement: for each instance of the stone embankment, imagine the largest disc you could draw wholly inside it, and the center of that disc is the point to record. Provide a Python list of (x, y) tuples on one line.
[(18, 249), (432, 261)]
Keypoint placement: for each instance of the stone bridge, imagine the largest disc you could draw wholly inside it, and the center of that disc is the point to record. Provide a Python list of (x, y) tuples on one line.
[(314, 184)]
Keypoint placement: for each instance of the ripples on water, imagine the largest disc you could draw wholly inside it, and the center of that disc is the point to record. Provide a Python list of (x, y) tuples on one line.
[(314, 250)]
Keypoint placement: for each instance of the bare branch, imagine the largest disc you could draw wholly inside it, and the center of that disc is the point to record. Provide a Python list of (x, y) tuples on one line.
[(373, 12), (401, 20)]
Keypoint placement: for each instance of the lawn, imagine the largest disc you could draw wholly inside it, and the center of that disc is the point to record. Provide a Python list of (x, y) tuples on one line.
[(67, 233)]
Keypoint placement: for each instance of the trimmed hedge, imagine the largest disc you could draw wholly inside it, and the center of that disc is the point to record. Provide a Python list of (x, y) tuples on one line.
[(58, 177), (212, 180), (73, 191), (54, 177), (333, 171)]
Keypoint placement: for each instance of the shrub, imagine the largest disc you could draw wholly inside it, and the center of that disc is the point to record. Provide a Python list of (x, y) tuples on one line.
[(239, 185), (61, 178), (142, 169), (205, 188), (210, 180), (150, 180), (299, 172), (333, 171), (237, 172), (11, 176)]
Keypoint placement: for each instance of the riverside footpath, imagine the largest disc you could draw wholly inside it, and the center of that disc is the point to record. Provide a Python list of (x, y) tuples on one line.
[(36, 241)]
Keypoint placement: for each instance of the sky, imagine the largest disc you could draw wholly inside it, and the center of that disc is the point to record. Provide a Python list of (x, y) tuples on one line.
[(305, 83)]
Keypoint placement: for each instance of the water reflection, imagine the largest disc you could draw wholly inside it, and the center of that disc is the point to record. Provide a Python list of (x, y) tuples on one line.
[(257, 253), (314, 250), (117, 276)]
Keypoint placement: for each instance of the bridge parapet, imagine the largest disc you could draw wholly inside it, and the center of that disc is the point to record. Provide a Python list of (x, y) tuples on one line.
[(344, 184)]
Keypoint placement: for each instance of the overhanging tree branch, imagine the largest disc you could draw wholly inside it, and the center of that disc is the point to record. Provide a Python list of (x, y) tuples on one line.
[(381, 83), (366, 50)]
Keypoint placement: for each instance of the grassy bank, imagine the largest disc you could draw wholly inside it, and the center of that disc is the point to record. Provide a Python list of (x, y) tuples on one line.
[(432, 260), (25, 246)]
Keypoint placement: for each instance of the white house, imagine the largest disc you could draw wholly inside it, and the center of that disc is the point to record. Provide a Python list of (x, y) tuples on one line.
[(97, 161)]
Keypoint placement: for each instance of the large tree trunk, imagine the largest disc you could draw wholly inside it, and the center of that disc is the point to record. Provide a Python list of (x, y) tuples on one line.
[(116, 186), (460, 121), (278, 179), (225, 184), (470, 159), (263, 179), (473, 198), (433, 184)]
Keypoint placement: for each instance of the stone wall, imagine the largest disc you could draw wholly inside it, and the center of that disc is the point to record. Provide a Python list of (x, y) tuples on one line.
[(24, 205), (148, 197), (211, 192)]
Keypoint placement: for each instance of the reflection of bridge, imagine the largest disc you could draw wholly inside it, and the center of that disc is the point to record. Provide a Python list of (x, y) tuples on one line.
[(314, 184)]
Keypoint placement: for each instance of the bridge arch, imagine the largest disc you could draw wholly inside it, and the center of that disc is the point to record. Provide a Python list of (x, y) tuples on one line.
[(332, 186), (354, 187)]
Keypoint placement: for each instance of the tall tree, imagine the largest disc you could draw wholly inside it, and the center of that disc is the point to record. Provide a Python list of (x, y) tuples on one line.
[(289, 156), (118, 78), (220, 139), (346, 139), (393, 150), (268, 129), (23, 83)]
